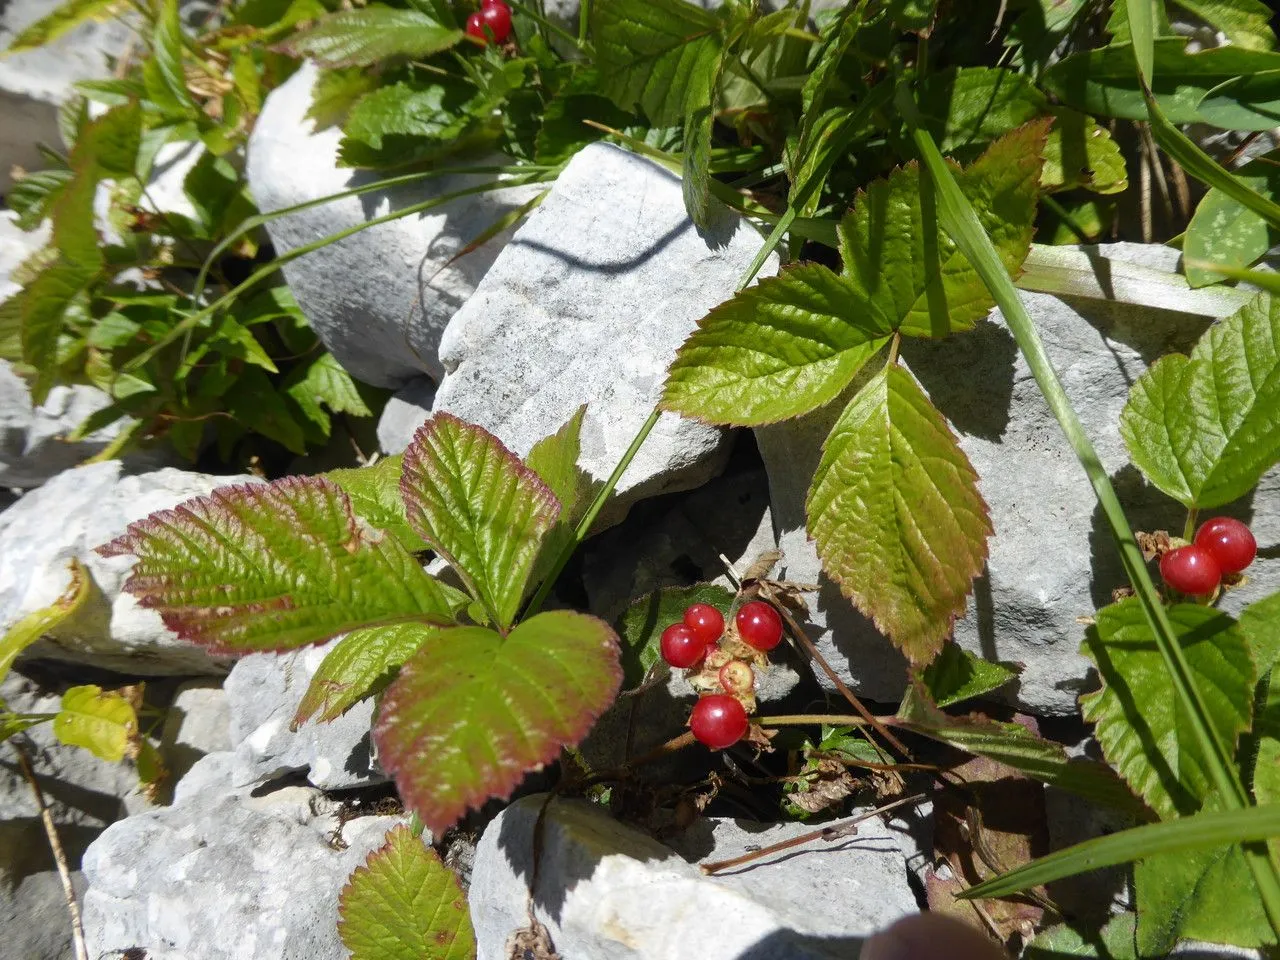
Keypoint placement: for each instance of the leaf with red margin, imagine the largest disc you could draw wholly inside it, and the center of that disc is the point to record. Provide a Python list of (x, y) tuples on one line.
[(405, 904), (273, 567), (479, 507), (473, 712)]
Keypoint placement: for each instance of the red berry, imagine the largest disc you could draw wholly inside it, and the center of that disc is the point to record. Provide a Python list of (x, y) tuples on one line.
[(681, 647), (759, 625), (1191, 570), (705, 621), (475, 28), (719, 721), (497, 17), (1229, 542), (737, 677)]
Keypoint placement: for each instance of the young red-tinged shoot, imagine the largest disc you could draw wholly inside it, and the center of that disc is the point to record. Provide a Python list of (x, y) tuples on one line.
[(759, 625), (681, 647), (1191, 570), (706, 622), (1229, 541), (719, 721)]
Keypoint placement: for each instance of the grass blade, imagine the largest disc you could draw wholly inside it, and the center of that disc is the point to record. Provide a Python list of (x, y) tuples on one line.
[(1217, 829)]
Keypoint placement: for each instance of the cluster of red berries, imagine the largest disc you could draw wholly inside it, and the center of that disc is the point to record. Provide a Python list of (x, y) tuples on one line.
[(1222, 546), (720, 720), (492, 20)]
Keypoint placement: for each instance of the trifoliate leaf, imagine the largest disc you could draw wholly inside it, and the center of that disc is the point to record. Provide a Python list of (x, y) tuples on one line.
[(363, 37), (361, 664), (99, 721), (1204, 428), (893, 246), (1137, 715), (472, 712), (778, 349), (403, 903), (479, 507), (659, 54), (273, 567), (896, 513), (1224, 232)]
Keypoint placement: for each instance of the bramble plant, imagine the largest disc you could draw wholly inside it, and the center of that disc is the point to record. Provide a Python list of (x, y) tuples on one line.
[(903, 156)]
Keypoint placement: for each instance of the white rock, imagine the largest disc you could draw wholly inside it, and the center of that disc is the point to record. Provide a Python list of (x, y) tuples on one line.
[(264, 690), (69, 516), (404, 413), (608, 892), (224, 875), (379, 299), (1051, 560), (197, 723), (588, 304)]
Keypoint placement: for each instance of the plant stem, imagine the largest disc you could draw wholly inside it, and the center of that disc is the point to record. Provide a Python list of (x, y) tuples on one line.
[(584, 21), (584, 525), (1189, 527), (59, 855), (815, 719), (828, 833), (962, 224)]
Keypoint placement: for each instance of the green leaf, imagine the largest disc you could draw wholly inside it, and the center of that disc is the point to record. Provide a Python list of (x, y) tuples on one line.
[(1204, 428), (360, 665), (1201, 895), (1112, 942), (473, 712), (1245, 22), (324, 383), (695, 177), (1141, 16), (1015, 746), (403, 903), (44, 305), (661, 55), (361, 38), (166, 49), (781, 348), (957, 675), (1197, 832), (1080, 153), (12, 724), (1260, 625), (1103, 82), (1224, 231), (402, 122), (374, 492), (975, 105), (896, 514), (256, 403), (555, 460), (66, 16), (563, 132), (1141, 727), (36, 624), (102, 723), (641, 625), (336, 92), (479, 507), (892, 245), (273, 567), (33, 195)]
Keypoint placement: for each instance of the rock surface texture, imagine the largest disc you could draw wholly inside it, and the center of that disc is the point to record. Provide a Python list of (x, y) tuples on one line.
[(608, 892), (404, 413), (67, 518), (1051, 560), (263, 693), (225, 875), (588, 304), (379, 299)]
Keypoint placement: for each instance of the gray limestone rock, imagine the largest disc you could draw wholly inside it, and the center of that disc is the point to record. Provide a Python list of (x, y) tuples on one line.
[(588, 304), (226, 875), (263, 693), (1051, 559), (198, 722), (404, 413), (608, 892), (68, 517), (379, 299)]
